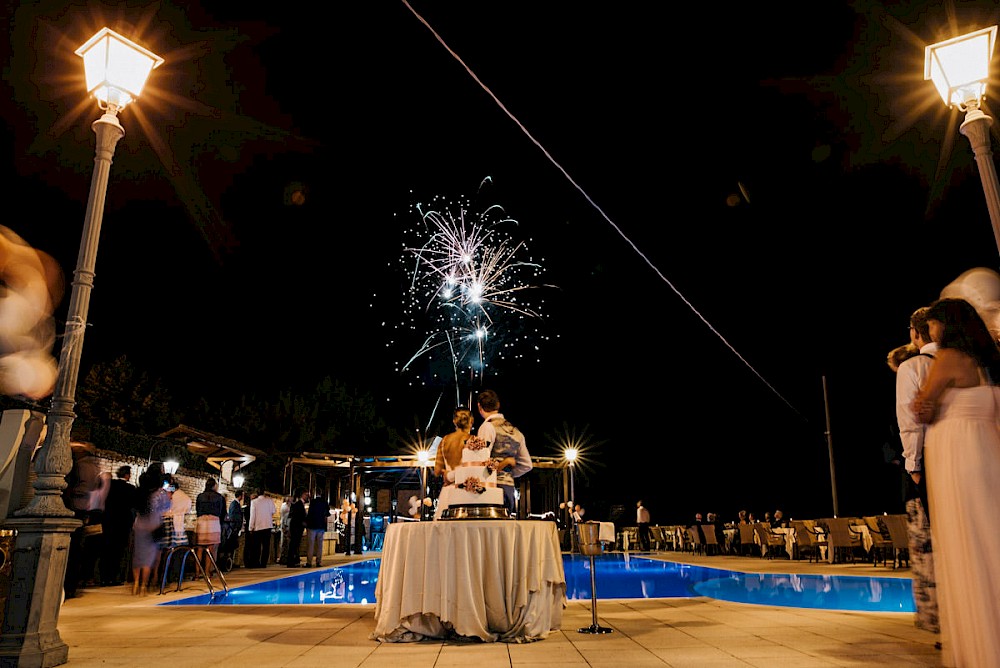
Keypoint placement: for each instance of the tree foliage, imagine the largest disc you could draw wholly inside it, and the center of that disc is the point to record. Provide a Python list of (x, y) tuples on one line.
[(117, 394)]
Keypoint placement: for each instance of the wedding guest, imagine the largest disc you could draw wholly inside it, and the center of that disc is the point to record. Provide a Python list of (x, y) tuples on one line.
[(258, 544), (296, 525), (234, 524), (359, 513), (317, 517), (82, 481), (154, 501), (119, 514), (175, 530), (283, 531), (210, 509), (959, 401), (900, 354), (642, 524), (180, 506)]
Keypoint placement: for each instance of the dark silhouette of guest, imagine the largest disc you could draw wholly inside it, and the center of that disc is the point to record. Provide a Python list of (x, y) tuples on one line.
[(210, 510), (296, 527), (153, 502), (82, 483), (119, 514)]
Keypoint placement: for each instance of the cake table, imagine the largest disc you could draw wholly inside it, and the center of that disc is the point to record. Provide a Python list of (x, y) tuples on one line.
[(495, 580)]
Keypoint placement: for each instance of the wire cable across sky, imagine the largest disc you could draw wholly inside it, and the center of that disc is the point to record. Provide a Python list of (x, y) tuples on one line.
[(598, 208)]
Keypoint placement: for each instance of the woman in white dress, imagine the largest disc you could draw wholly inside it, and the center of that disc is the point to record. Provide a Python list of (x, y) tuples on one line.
[(962, 467), (449, 456)]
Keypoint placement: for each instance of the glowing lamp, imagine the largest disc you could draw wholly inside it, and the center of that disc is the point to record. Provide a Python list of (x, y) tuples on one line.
[(424, 457), (960, 67), (116, 68), (238, 480), (571, 454), (170, 467)]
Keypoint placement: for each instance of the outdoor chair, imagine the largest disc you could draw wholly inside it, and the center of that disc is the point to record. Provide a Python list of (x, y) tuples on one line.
[(697, 547), (747, 544), (807, 541), (899, 536), (881, 541), (656, 538), (771, 543), (842, 539), (712, 546)]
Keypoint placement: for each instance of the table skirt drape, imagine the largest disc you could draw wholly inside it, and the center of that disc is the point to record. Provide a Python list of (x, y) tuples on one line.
[(495, 580)]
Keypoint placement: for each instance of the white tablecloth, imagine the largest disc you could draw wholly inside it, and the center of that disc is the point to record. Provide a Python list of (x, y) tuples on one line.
[(490, 579), (607, 532), (789, 534)]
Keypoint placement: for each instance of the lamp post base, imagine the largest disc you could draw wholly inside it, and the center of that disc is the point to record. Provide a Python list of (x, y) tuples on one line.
[(595, 629), (29, 637)]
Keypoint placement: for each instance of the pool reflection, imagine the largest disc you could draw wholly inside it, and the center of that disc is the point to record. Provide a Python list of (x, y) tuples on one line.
[(624, 576), (618, 576)]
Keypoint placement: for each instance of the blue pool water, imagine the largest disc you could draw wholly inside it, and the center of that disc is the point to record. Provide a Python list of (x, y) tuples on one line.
[(617, 576)]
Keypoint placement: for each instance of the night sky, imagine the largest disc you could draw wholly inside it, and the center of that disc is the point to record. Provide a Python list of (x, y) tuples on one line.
[(727, 209)]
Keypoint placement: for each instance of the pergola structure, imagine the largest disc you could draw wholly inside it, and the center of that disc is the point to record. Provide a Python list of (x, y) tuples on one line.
[(541, 490), (346, 474), (217, 450)]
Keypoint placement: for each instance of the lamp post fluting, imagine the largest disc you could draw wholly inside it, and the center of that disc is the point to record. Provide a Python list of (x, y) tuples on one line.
[(976, 128), (54, 459)]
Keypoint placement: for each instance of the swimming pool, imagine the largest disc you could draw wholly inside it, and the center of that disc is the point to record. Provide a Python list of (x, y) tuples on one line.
[(618, 576)]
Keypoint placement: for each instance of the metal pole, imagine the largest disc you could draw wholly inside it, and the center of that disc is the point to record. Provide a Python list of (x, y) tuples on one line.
[(423, 488), (829, 446), (977, 128), (572, 488), (29, 635)]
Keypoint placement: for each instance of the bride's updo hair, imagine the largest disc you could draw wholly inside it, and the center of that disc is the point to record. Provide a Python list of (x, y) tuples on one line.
[(462, 418)]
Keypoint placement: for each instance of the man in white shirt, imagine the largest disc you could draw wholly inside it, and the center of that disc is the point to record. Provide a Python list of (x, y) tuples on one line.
[(283, 529), (259, 537), (642, 523), (910, 375), (507, 444)]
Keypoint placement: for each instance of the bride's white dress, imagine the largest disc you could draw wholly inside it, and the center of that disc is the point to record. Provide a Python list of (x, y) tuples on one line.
[(444, 498), (962, 464)]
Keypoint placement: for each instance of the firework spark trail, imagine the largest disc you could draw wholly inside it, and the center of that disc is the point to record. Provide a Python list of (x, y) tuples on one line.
[(596, 207), (466, 272)]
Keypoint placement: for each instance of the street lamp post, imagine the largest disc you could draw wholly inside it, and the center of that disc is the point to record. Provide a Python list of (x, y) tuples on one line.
[(116, 71), (959, 68), (570, 454)]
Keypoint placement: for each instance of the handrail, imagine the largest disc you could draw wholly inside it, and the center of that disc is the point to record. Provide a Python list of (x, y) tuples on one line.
[(192, 550)]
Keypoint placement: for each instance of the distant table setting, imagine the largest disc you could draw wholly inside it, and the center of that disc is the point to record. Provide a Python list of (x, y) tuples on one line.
[(495, 580)]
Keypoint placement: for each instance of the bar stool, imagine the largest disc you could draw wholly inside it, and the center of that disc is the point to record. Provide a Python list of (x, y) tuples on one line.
[(192, 550), (589, 534)]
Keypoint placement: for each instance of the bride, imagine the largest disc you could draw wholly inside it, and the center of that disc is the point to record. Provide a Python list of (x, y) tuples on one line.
[(962, 463), (449, 456)]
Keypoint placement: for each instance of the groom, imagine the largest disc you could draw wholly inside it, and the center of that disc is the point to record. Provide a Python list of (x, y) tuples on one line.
[(507, 444)]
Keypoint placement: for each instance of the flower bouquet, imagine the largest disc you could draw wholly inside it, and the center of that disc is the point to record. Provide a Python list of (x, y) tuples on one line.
[(475, 443), (473, 484)]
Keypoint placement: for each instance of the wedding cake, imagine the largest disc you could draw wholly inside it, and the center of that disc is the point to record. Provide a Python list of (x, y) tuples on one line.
[(475, 479)]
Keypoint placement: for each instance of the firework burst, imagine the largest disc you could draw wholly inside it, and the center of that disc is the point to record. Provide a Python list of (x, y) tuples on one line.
[(467, 299)]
